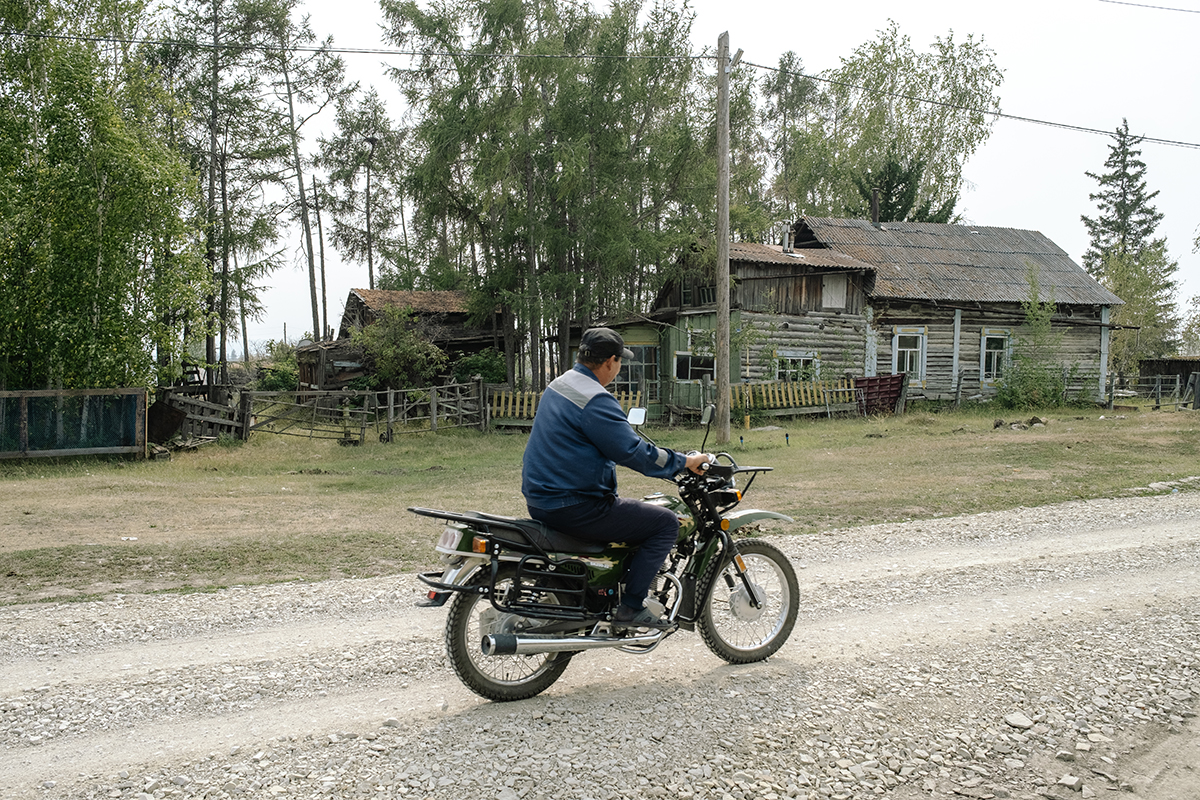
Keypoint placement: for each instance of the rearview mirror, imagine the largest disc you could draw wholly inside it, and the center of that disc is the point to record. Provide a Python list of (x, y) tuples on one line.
[(637, 416), (707, 414)]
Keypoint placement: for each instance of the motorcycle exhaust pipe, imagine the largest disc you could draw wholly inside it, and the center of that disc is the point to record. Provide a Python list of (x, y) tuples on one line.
[(507, 644)]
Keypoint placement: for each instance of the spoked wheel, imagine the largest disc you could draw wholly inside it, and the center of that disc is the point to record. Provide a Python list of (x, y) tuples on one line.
[(729, 623), (499, 677)]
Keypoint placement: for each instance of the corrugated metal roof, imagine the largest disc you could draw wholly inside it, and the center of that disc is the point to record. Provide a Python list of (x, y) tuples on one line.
[(452, 302), (960, 263), (755, 253)]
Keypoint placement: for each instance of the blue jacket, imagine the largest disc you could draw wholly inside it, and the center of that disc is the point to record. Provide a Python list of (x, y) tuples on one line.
[(579, 436)]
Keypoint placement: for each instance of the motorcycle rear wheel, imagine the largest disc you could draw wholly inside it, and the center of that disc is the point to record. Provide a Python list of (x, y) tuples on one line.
[(729, 624), (500, 677)]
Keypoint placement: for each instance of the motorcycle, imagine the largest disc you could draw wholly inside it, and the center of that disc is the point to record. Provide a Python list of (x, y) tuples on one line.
[(525, 599)]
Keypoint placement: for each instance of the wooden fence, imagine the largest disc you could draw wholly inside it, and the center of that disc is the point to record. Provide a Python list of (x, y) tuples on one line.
[(350, 416), (204, 419), (508, 407), (785, 398)]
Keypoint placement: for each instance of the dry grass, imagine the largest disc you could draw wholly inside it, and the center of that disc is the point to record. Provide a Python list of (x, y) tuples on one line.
[(284, 508)]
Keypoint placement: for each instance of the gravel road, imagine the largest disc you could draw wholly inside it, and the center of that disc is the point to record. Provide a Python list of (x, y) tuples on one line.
[(1048, 652)]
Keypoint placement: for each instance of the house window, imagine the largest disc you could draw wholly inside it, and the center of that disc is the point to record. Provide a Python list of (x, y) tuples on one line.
[(833, 291), (994, 354), (793, 365), (692, 295), (697, 360), (908, 352), (639, 373)]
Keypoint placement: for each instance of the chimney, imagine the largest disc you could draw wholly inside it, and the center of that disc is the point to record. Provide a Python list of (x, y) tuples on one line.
[(875, 207)]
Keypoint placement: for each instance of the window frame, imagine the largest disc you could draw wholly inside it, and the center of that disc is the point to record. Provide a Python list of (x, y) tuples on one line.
[(798, 361), (843, 289), (644, 369), (922, 351), (1005, 354), (692, 360)]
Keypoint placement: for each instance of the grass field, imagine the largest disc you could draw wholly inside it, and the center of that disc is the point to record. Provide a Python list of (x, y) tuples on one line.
[(283, 508)]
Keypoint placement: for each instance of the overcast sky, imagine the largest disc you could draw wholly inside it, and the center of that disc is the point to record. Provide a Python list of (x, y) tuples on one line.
[(1085, 63)]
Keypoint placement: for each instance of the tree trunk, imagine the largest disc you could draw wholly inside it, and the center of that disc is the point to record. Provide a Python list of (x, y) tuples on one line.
[(325, 332), (210, 350), (304, 223)]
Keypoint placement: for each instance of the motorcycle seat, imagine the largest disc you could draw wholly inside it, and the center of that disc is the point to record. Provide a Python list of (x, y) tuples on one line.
[(540, 536)]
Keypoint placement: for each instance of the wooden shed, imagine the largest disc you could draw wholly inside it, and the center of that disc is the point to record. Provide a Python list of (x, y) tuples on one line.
[(442, 316), (445, 315)]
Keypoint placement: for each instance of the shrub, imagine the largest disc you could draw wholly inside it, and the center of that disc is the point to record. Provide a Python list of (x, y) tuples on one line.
[(1034, 379), (398, 354), (488, 364)]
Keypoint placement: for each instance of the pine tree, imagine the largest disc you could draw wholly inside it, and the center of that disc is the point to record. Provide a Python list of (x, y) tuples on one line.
[(1126, 223)]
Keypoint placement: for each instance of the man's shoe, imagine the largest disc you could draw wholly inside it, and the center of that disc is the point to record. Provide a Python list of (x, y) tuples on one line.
[(626, 617)]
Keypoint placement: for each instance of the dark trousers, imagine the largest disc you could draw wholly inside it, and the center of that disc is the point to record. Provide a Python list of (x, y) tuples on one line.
[(615, 519)]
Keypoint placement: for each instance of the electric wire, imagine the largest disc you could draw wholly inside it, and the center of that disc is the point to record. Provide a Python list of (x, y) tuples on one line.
[(594, 56), (996, 114), (1156, 8)]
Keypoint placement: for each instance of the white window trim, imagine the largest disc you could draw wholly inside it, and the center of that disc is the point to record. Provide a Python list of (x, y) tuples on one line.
[(920, 331), (811, 355), (993, 333)]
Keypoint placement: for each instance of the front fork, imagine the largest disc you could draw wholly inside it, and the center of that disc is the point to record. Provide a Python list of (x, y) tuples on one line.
[(739, 565)]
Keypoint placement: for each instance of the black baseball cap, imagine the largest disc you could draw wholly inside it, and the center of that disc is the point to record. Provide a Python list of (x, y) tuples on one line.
[(603, 343)]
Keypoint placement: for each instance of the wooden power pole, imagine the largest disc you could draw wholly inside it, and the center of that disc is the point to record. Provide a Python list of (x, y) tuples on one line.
[(721, 356)]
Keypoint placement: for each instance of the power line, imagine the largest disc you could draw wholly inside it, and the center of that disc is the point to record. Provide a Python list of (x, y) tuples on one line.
[(956, 107), (381, 51), (1156, 8), (593, 56)]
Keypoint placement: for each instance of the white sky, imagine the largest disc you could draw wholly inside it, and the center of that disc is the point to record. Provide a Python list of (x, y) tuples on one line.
[(1087, 63)]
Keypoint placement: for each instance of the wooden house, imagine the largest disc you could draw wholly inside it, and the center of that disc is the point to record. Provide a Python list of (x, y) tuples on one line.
[(794, 315), (944, 301), (941, 303), (442, 316)]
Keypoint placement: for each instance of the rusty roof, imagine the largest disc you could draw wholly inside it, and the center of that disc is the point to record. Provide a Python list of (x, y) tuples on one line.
[(962, 263), (753, 252), (451, 301)]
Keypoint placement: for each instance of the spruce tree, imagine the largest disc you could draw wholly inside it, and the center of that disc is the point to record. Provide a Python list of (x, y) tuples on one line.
[(1126, 223)]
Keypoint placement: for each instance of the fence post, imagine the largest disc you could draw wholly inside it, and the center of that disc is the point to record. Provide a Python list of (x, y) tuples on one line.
[(23, 425), (368, 401), (246, 406), (481, 395), (1157, 392), (391, 412), (1112, 390), (433, 409)]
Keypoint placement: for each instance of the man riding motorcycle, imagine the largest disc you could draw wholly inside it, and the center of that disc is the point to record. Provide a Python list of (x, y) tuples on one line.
[(569, 476)]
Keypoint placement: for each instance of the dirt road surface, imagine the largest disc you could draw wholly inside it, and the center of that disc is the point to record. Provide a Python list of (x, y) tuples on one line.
[(1049, 652)]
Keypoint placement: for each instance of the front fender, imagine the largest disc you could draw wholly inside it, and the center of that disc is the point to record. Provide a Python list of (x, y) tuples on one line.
[(744, 516)]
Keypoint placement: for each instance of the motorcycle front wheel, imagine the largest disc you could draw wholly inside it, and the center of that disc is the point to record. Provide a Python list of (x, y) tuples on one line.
[(731, 626), (499, 677)]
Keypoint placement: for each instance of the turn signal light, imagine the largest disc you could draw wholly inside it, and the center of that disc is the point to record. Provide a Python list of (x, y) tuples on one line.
[(724, 524), (479, 545)]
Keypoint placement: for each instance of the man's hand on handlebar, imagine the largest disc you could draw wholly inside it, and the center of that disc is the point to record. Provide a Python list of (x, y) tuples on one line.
[(698, 462)]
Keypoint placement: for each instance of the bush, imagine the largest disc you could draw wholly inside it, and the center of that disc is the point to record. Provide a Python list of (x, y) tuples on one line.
[(278, 372), (1034, 379), (397, 352), (277, 379), (488, 364)]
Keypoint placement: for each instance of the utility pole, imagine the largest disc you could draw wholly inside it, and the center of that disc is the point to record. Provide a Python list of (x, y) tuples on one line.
[(721, 356), (371, 140)]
